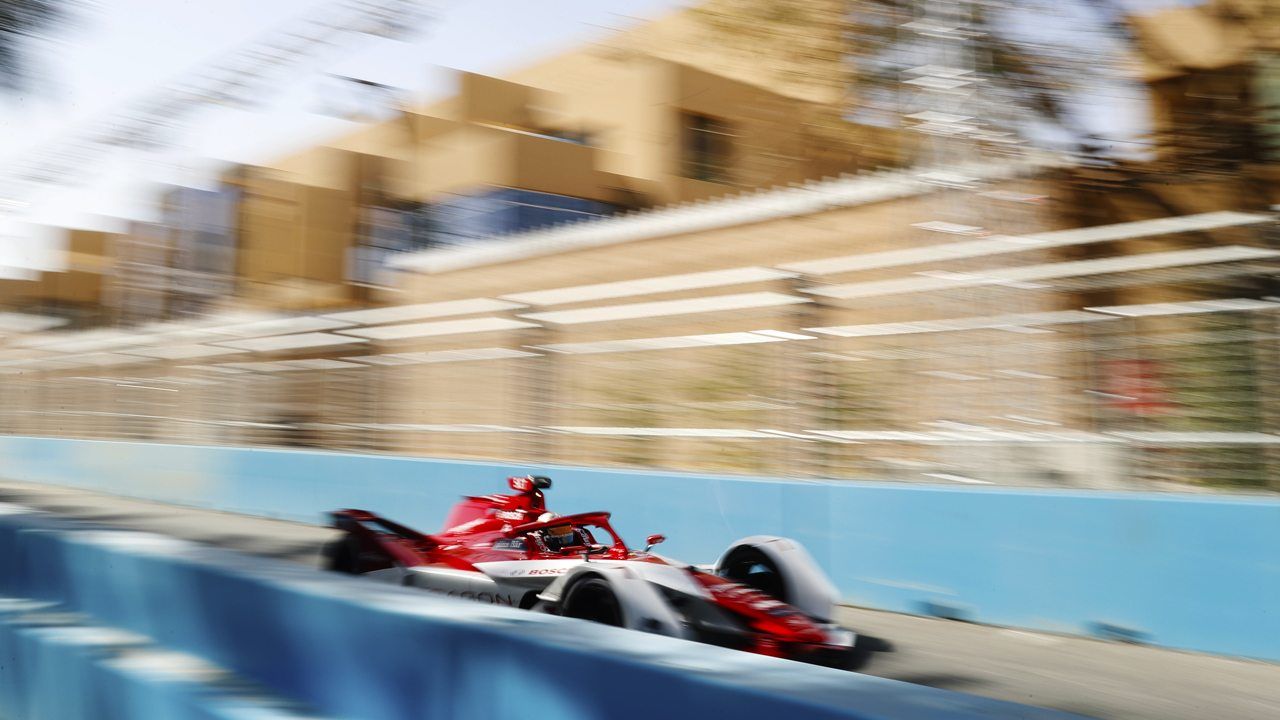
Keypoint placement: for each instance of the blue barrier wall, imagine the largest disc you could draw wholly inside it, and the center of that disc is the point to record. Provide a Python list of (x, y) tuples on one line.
[(351, 648), (1191, 572)]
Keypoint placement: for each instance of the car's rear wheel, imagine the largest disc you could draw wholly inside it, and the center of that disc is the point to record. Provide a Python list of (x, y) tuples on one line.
[(750, 567), (342, 555), (593, 599)]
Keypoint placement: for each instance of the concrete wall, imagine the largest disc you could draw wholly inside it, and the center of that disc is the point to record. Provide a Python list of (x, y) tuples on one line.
[(1191, 572), (344, 647)]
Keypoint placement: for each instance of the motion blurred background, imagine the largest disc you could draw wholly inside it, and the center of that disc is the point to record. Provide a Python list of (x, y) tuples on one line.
[(978, 242)]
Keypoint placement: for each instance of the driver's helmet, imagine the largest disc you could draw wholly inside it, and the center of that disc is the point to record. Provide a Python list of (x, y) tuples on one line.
[(560, 536)]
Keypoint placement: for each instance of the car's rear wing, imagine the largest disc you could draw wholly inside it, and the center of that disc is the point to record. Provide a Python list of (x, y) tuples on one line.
[(367, 524)]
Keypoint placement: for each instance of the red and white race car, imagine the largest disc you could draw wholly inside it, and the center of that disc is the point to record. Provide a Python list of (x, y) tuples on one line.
[(765, 595)]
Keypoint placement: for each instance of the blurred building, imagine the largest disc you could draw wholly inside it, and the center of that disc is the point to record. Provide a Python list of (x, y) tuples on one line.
[(76, 290), (634, 254), (142, 283), (583, 135), (184, 265), (502, 157), (294, 235)]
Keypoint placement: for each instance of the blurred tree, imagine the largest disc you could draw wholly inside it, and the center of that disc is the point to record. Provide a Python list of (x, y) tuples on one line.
[(1150, 97), (802, 46), (805, 41), (854, 53), (19, 21), (1048, 69)]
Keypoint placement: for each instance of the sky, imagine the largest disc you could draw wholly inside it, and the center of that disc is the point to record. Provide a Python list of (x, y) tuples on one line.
[(114, 51)]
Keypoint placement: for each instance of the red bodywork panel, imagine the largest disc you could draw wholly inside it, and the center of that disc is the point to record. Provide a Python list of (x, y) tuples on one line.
[(776, 621)]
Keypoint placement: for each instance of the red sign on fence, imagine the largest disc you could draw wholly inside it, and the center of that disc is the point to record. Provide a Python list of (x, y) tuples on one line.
[(1135, 386)]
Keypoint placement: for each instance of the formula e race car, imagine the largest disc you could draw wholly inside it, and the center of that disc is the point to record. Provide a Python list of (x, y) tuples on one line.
[(764, 595)]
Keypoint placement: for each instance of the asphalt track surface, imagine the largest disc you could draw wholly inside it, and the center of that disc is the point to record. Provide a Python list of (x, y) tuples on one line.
[(1092, 678)]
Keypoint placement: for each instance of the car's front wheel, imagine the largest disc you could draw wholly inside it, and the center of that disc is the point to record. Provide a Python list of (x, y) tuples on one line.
[(750, 567)]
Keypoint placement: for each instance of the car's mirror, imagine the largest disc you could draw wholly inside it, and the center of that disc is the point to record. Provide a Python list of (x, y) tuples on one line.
[(653, 540)]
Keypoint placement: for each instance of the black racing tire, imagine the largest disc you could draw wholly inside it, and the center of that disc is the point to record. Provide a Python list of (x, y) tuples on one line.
[(750, 567), (593, 599), (852, 659), (342, 555)]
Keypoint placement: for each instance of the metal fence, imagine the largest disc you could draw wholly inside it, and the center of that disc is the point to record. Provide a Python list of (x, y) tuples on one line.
[(1110, 399)]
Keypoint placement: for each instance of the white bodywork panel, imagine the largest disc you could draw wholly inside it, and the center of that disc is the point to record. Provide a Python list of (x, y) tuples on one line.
[(513, 582)]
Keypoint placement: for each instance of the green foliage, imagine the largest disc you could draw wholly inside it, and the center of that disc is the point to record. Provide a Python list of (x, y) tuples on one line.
[(803, 46), (804, 39), (856, 51)]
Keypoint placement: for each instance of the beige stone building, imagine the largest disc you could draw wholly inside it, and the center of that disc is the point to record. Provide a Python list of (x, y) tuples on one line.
[(75, 291)]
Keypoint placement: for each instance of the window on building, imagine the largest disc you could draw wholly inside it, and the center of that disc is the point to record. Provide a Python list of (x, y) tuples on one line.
[(501, 211), (707, 148), (384, 232)]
